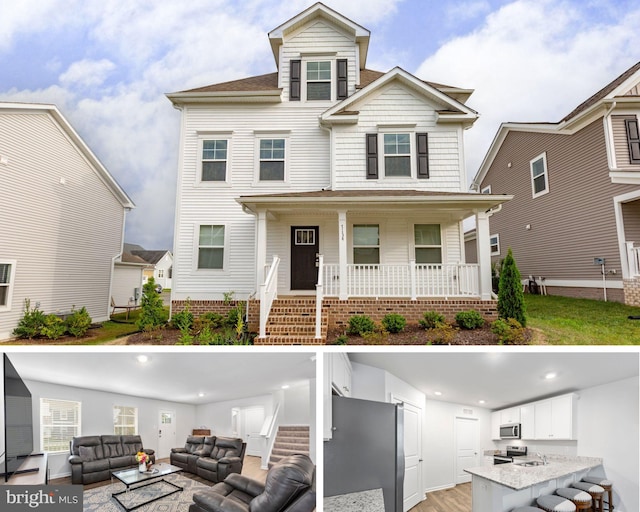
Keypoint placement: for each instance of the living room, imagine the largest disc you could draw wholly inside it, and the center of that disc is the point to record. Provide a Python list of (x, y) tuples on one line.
[(86, 419)]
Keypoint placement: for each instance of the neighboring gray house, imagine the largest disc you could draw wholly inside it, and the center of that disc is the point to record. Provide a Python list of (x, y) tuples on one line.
[(62, 214), (576, 188)]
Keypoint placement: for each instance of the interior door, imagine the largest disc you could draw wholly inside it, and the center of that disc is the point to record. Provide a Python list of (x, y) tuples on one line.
[(413, 493), (251, 419), (466, 447), (166, 433), (304, 249)]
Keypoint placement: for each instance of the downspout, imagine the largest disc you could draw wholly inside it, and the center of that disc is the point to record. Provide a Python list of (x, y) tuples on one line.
[(115, 258)]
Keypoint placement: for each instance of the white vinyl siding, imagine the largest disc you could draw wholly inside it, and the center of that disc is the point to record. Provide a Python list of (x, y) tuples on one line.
[(125, 420), (59, 424), (539, 175)]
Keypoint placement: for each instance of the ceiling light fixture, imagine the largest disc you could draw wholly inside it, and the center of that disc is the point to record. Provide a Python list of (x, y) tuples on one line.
[(481, 402), (200, 395), (437, 393), (550, 375), (285, 386), (142, 359)]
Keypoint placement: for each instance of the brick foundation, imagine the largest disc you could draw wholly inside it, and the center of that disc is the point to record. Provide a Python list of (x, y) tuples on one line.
[(613, 294), (632, 292)]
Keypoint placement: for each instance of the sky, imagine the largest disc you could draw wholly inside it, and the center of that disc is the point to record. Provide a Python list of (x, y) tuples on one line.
[(107, 65)]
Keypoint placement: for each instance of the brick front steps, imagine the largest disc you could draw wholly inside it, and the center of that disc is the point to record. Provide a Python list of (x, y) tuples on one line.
[(290, 440), (293, 322)]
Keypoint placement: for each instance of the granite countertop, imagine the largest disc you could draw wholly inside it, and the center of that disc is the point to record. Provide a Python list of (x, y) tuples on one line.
[(520, 477), (371, 501)]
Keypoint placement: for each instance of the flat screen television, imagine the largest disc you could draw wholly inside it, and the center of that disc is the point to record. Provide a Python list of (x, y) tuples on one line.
[(18, 420)]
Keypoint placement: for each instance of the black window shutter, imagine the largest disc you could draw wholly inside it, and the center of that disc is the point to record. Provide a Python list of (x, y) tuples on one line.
[(294, 80), (422, 144), (372, 156), (341, 79), (633, 138)]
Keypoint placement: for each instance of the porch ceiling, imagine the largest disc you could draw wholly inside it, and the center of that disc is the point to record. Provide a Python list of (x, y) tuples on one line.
[(452, 204)]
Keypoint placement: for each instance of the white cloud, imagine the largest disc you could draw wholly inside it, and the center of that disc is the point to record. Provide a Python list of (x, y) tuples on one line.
[(461, 11), (87, 73), (532, 61)]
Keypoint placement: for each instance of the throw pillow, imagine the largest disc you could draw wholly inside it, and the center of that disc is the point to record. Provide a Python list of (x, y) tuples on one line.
[(86, 453)]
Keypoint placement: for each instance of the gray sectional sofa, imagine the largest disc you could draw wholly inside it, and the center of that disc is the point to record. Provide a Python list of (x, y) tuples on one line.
[(210, 457), (93, 458)]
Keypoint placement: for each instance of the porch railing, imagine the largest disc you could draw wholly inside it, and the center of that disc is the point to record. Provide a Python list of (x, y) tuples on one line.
[(319, 296), (633, 257), (410, 280), (268, 292)]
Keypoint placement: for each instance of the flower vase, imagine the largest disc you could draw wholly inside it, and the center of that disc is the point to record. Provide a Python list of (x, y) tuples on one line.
[(142, 468)]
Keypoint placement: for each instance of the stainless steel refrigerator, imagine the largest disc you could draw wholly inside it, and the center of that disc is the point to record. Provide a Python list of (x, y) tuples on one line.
[(366, 450)]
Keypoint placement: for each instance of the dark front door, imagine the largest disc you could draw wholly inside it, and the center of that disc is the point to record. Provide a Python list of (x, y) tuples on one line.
[(304, 250)]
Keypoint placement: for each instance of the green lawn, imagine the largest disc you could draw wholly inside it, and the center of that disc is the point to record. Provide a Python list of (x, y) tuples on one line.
[(566, 321)]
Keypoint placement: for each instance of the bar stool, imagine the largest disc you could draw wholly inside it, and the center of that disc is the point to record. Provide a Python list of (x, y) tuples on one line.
[(596, 492), (607, 485), (580, 499), (552, 503), (526, 509)]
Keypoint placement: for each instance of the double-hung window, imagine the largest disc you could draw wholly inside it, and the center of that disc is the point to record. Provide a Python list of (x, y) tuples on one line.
[(366, 244), (59, 424), (494, 242), (633, 140), (214, 160), (211, 247), (6, 282), (397, 154), (428, 243), (539, 175), (318, 80), (272, 158), (125, 420)]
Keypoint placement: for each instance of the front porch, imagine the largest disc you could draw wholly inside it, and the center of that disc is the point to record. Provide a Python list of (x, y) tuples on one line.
[(631, 282)]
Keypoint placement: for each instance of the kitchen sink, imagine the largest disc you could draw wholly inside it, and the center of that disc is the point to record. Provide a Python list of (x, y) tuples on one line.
[(530, 463)]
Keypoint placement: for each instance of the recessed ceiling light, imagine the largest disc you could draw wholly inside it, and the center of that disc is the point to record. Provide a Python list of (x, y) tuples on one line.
[(200, 395), (437, 393), (286, 386), (481, 401), (550, 375), (142, 359)]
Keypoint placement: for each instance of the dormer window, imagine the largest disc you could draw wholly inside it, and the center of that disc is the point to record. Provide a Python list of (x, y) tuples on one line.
[(319, 80), (397, 154)]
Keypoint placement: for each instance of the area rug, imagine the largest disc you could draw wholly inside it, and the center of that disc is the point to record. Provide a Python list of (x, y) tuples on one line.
[(100, 500)]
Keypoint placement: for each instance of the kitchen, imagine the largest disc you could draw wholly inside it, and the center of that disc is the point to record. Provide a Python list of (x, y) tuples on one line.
[(578, 411)]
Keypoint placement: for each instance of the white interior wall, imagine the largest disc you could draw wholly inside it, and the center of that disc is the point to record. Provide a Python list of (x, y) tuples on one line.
[(217, 416), (97, 417), (296, 405)]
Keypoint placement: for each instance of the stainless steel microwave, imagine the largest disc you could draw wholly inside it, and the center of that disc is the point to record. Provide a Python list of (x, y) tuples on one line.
[(511, 431)]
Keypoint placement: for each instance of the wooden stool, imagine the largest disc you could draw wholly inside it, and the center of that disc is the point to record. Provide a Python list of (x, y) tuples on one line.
[(596, 492), (607, 485), (580, 499), (552, 503), (526, 509)]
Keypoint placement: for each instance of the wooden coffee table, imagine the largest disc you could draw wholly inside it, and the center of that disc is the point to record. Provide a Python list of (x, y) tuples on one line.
[(132, 477)]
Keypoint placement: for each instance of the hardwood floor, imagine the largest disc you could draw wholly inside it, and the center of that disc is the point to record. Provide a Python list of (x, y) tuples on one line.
[(250, 469), (456, 499)]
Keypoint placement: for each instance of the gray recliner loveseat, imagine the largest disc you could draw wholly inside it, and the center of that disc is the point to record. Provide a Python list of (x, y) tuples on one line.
[(210, 457)]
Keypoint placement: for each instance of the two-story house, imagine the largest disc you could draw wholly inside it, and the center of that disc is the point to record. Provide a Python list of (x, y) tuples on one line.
[(575, 217), (327, 179)]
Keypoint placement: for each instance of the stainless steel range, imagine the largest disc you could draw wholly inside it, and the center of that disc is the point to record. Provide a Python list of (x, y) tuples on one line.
[(508, 456)]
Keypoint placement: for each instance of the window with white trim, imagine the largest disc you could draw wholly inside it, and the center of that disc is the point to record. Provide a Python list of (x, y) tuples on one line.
[(272, 158), (366, 244), (211, 247), (539, 175), (428, 243), (125, 420), (494, 243), (397, 154), (318, 80), (214, 159), (160, 272), (6, 283), (59, 424)]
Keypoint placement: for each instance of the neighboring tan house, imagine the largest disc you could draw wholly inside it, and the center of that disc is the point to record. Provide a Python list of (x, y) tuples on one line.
[(327, 176), (576, 188), (62, 216), (162, 266)]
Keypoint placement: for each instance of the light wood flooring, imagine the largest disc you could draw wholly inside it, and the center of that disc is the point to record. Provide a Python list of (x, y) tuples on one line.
[(250, 469), (456, 499)]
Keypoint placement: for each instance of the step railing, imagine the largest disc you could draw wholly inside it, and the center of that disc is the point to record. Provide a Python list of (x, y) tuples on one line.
[(319, 292), (269, 433), (268, 292), (633, 257)]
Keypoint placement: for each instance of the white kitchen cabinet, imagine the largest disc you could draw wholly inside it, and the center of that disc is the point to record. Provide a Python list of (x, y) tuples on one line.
[(496, 419), (555, 418), (341, 373), (527, 421), (511, 415)]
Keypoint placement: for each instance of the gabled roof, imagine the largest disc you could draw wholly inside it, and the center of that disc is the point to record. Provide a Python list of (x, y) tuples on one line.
[(106, 177), (319, 10), (127, 257), (152, 257)]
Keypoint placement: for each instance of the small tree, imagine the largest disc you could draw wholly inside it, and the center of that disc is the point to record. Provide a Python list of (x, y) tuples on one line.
[(152, 312), (510, 294)]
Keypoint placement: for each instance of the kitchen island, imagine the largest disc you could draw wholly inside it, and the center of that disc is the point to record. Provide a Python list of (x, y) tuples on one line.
[(502, 487)]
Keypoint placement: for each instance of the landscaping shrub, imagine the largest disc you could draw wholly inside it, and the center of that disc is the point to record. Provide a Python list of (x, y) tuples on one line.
[(510, 294), (31, 323), (152, 311), (394, 322), (77, 324), (431, 319), (469, 319), (183, 320), (232, 317), (360, 324), (209, 319), (442, 334), (342, 339), (53, 327), (509, 332)]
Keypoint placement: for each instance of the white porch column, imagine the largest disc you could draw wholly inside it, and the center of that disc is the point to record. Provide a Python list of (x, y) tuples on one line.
[(342, 253), (483, 249), (261, 247)]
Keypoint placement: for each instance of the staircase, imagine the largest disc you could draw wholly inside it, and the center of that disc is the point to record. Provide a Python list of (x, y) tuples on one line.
[(293, 322), (289, 440)]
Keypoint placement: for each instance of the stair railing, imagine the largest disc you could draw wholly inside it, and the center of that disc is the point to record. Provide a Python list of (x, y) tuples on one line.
[(268, 292), (269, 426), (319, 297)]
